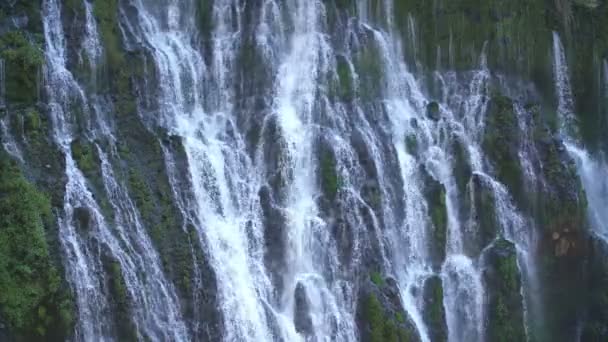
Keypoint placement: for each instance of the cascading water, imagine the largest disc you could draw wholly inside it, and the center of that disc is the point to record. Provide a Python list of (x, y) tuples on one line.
[(216, 162), (299, 186), (592, 171), (565, 104), (154, 305)]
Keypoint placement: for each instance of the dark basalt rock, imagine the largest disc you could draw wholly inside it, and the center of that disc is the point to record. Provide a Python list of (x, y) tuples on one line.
[(82, 218), (595, 324), (302, 319), (481, 215), (274, 236), (432, 111), (435, 193)]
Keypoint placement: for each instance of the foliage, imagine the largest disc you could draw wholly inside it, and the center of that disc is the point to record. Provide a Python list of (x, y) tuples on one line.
[(32, 121), (23, 62), (32, 299), (381, 327), (86, 158)]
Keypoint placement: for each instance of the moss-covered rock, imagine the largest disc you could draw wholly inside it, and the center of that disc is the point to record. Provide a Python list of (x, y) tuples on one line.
[(369, 67), (346, 88), (380, 314), (432, 111), (435, 195), (505, 303), (480, 205), (119, 300), (461, 167), (23, 62), (34, 301), (86, 157), (558, 206), (501, 143), (434, 312), (330, 179)]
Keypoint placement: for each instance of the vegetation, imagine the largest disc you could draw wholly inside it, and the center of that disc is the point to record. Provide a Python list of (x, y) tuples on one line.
[(435, 195), (434, 312), (370, 69), (23, 60), (347, 87), (381, 327), (120, 300), (505, 316), (330, 180), (377, 278), (501, 144), (85, 155), (32, 298)]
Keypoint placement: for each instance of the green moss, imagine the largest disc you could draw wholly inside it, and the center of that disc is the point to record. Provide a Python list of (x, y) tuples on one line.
[(375, 319), (345, 77), (370, 70), (119, 288), (461, 167), (106, 13), (439, 216), (23, 60), (381, 327), (31, 121), (85, 155), (140, 193), (330, 180), (32, 299), (119, 296), (377, 278), (205, 17), (76, 6), (434, 313), (501, 144), (505, 316)]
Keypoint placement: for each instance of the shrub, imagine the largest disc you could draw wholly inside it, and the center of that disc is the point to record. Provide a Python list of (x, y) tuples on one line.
[(31, 298)]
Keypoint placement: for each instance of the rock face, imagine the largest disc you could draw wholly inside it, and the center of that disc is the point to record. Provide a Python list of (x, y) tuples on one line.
[(502, 278), (255, 170), (380, 314), (434, 313)]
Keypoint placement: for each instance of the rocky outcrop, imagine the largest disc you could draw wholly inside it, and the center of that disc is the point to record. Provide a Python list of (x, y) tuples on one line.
[(380, 315), (503, 281), (434, 311)]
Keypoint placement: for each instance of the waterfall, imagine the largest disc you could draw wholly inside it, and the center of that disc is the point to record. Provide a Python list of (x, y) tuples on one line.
[(217, 166), (565, 103), (594, 175), (306, 153), (153, 303), (591, 170)]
